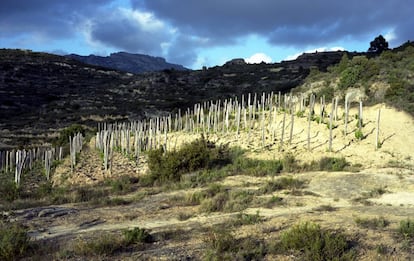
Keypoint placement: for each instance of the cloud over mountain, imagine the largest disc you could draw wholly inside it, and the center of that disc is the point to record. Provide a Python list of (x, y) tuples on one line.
[(179, 30)]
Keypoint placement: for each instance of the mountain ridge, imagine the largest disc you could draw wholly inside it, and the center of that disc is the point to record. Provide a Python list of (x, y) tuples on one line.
[(42, 93), (128, 62)]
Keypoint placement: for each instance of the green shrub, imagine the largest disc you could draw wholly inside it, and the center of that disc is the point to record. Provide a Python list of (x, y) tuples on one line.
[(289, 163), (9, 190), (282, 183), (222, 245), (14, 241), (325, 208), (220, 240), (102, 245), (373, 223), (238, 200), (45, 189), (86, 194), (359, 135), (406, 228), (226, 200), (216, 203), (121, 185), (247, 219), (70, 131), (332, 164), (137, 235), (274, 201), (199, 154), (315, 243), (254, 167), (349, 77), (326, 91)]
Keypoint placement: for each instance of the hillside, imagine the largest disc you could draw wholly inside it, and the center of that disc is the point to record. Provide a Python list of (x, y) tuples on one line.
[(128, 62), (387, 78), (42, 93), (359, 193)]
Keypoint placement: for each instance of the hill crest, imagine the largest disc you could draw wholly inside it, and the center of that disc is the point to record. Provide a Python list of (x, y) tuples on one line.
[(128, 62)]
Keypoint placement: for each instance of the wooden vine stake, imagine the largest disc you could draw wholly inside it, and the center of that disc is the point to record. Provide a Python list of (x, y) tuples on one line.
[(360, 116), (283, 130), (48, 163), (377, 142), (292, 121), (311, 104), (346, 115), (330, 123), (20, 159)]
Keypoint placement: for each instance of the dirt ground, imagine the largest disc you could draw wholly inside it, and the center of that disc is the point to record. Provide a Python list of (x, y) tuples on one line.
[(332, 199)]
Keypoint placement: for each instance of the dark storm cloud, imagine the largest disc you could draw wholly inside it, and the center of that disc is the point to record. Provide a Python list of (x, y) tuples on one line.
[(294, 22), (183, 49), (49, 18), (180, 28), (121, 30)]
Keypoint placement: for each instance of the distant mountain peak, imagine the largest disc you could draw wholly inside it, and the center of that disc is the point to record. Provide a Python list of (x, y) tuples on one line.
[(128, 62)]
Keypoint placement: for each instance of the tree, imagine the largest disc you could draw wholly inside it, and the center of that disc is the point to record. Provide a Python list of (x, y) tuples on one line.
[(378, 45)]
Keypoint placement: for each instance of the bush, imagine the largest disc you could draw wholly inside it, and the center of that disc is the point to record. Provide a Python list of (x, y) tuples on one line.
[(9, 190), (406, 228), (254, 167), (222, 245), (86, 194), (332, 164), (282, 183), (14, 241), (247, 219), (102, 245), (226, 200), (70, 131), (315, 243), (373, 223), (359, 135), (137, 235), (121, 185), (289, 163), (220, 240), (199, 154), (216, 203)]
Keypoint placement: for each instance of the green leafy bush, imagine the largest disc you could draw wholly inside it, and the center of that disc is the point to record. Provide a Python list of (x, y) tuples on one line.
[(14, 241), (254, 167), (406, 228), (349, 77), (220, 240), (137, 235), (290, 163), (359, 135), (373, 223), (247, 219), (9, 191), (332, 164), (103, 245), (221, 244), (282, 183), (199, 154), (70, 131), (315, 243), (226, 200)]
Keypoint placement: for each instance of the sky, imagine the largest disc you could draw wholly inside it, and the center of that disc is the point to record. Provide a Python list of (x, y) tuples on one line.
[(198, 33)]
